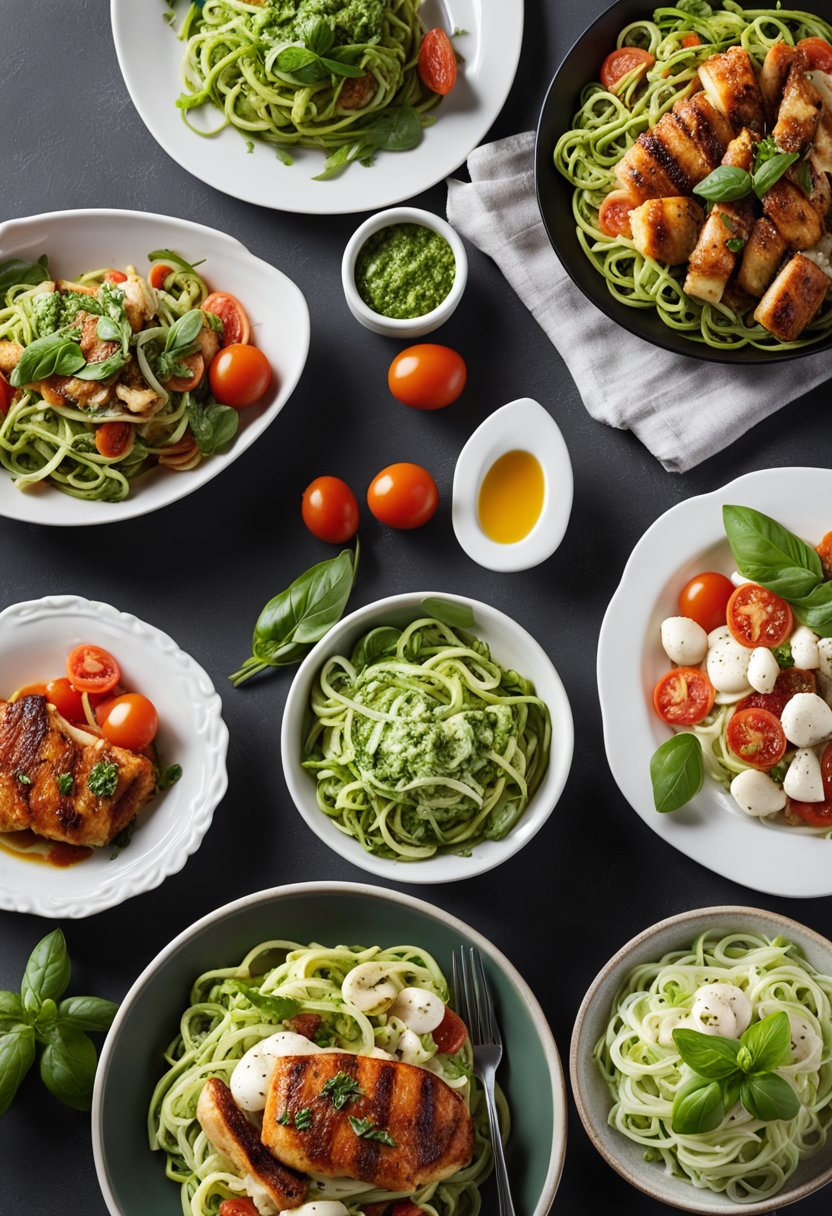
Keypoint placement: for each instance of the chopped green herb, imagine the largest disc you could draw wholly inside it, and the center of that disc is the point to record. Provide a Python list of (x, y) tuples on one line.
[(366, 1129), (341, 1089), (168, 776), (23, 779), (303, 1119), (736, 244), (65, 783), (285, 1119), (103, 779)]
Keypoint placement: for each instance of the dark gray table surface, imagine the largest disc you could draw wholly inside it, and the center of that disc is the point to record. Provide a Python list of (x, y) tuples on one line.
[(201, 570)]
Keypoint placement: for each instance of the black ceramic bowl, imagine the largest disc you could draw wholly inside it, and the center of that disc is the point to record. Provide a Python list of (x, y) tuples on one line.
[(554, 193)]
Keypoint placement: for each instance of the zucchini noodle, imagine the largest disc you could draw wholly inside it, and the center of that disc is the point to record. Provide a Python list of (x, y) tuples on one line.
[(420, 742), (607, 124), (744, 1158), (220, 1026)]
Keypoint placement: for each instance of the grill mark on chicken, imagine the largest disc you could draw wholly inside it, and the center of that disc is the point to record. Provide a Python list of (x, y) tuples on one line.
[(668, 162), (25, 726), (426, 1115)]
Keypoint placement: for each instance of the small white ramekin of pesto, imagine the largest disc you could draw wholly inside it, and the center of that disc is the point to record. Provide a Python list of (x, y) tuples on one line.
[(404, 272)]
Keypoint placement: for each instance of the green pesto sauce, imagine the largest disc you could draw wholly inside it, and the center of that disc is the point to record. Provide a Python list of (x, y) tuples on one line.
[(405, 271), (352, 20)]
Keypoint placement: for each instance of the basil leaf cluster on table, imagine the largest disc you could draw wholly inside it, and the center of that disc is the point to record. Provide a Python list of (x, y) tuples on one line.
[(677, 772), (38, 1020), (725, 1071)]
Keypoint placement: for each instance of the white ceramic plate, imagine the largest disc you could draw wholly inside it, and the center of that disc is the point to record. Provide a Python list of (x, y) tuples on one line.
[(83, 240), (35, 638), (491, 49), (778, 860), (510, 646)]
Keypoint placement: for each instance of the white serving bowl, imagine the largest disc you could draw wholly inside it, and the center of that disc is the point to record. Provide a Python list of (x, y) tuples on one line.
[(82, 240), (408, 327), (35, 638), (512, 647)]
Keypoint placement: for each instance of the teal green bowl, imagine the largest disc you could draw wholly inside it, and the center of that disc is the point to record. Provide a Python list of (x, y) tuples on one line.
[(132, 1178)]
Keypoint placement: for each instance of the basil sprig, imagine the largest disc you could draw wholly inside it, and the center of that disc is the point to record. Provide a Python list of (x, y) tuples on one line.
[(724, 185), (319, 58), (16, 270), (213, 425), (725, 1070), (180, 341), (37, 1017), (677, 772), (396, 129), (727, 183), (57, 354)]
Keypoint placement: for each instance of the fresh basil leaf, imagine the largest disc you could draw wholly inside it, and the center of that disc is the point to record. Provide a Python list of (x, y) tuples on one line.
[(55, 355), (338, 67), (769, 554), (17, 270), (318, 35), (767, 1042), (803, 177), (698, 1110), (677, 772), (47, 1016), (302, 65), (458, 616), (11, 1011), (67, 1067), (770, 172), (108, 330), (397, 129), (278, 1007), (724, 184), (815, 609), (768, 1096), (783, 655), (709, 1055), (102, 370), (168, 777), (47, 971), (374, 644), (345, 155), (87, 1013), (17, 1051), (184, 332), (213, 425), (314, 603)]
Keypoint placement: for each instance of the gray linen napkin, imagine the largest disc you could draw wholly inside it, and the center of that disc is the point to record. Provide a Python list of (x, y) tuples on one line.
[(682, 410)]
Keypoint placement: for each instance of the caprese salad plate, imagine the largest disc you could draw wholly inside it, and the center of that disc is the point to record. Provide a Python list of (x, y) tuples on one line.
[(714, 677)]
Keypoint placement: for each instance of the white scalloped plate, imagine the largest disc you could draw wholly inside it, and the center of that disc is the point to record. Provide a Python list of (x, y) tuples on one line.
[(35, 637)]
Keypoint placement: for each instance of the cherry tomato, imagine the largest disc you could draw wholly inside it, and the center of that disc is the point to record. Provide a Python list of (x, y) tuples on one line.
[(131, 721), (691, 40), (614, 214), (823, 550), (235, 323), (405, 1207), (705, 598), (114, 439), (403, 496), (66, 699), (756, 737), (622, 62), (330, 510), (92, 669), (6, 394), (817, 814), (28, 690), (158, 273), (427, 376), (184, 384), (240, 375), (788, 683), (683, 696), (114, 276), (818, 53), (451, 1033), (757, 617), (238, 1207), (437, 62)]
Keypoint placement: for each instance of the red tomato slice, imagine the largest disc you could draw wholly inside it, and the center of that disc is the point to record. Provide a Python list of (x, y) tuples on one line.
[(437, 62), (789, 682), (815, 814), (6, 394), (691, 40), (704, 599), (818, 53), (113, 439), (158, 273), (823, 550), (405, 1207), (684, 696), (28, 690), (756, 737), (238, 1207), (67, 700), (614, 214), (184, 384), (92, 669), (757, 617), (451, 1034), (114, 276), (236, 327), (622, 62), (130, 722)]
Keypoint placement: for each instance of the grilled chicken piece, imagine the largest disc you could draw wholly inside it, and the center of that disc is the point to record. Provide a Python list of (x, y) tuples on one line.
[(37, 743), (773, 75), (647, 170), (822, 150), (799, 113), (730, 83), (820, 195), (709, 130), (673, 134), (429, 1122), (793, 299), (712, 262), (794, 217), (10, 355), (740, 152), (138, 303), (670, 158), (136, 393), (80, 289), (762, 255), (69, 390), (92, 347), (667, 228), (230, 1132)]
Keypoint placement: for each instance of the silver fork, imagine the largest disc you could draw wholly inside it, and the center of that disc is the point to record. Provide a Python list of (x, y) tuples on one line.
[(476, 1008)]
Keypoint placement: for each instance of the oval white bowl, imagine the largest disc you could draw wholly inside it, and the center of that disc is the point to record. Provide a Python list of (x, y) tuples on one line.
[(711, 829), (82, 240), (35, 637), (522, 425), (511, 646)]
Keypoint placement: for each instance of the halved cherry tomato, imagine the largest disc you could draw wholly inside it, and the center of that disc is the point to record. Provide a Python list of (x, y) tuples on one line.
[(788, 684), (691, 40), (403, 496), (114, 276), (238, 1207), (6, 394), (622, 62), (184, 384), (405, 1207), (28, 690), (66, 699), (705, 598), (823, 550), (818, 53), (240, 375), (758, 617), (614, 214), (114, 439), (92, 669), (683, 696), (427, 376), (756, 737), (235, 323), (158, 273), (451, 1033), (131, 721), (818, 814), (330, 510), (437, 62)]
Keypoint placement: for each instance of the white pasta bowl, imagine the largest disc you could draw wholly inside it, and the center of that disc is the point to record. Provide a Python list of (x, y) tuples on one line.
[(593, 1099), (83, 240), (512, 647), (35, 637)]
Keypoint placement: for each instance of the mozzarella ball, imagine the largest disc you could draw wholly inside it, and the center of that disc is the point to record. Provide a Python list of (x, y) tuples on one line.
[(756, 793), (807, 719), (739, 579), (369, 988), (419, 1009), (804, 644), (684, 642), (763, 669), (803, 780), (250, 1079), (410, 1049), (806, 1045), (721, 1009), (825, 656), (727, 663)]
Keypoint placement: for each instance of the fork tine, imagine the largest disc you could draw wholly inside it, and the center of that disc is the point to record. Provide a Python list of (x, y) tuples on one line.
[(485, 1002), (459, 986), (472, 1020)]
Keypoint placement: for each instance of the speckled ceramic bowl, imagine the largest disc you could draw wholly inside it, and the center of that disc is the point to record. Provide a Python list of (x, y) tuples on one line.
[(592, 1096)]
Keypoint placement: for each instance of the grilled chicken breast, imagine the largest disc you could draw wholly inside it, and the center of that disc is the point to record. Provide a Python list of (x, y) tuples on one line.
[(712, 261), (822, 151), (10, 355), (732, 87), (230, 1132), (682, 149), (667, 228), (740, 152), (793, 298), (762, 255), (800, 109), (707, 127), (427, 1120), (794, 217), (773, 75), (37, 747)]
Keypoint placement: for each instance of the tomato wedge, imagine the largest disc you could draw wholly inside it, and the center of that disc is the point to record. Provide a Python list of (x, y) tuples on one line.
[(691, 40), (66, 699), (758, 617), (92, 669), (683, 696), (114, 439), (6, 394), (756, 737), (437, 62), (28, 690), (451, 1034), (114, 276), (184, 384), (158, 273), (788, 684), (704, 599), (238, 1207), (235, 323), (818, 53), (620, 63), (614, 214)]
